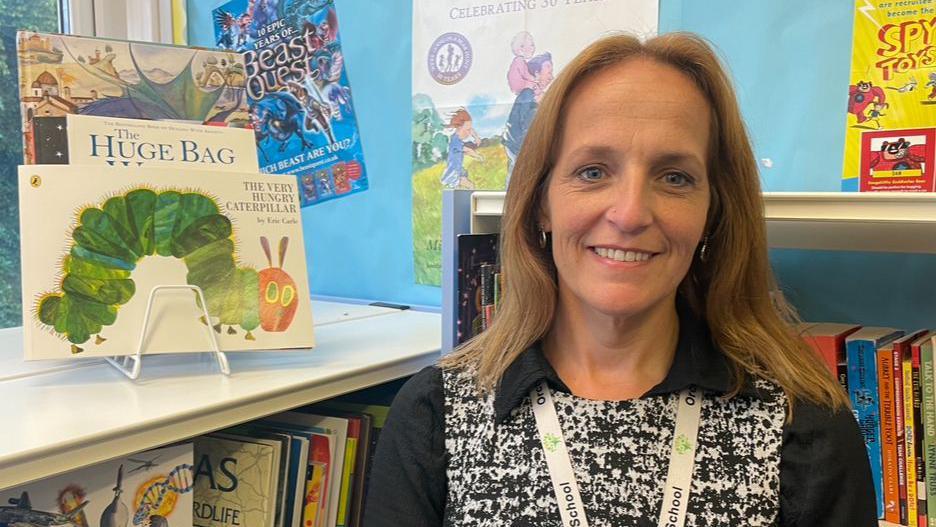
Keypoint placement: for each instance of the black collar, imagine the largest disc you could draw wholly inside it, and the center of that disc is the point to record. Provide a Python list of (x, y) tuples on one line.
[(697, 363)]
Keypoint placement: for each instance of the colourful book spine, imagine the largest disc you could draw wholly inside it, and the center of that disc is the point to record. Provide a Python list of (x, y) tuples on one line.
[(899, 429), (917, 392), (347, 475), (929, 424), (888, 443), (910, 441), (861, 350)]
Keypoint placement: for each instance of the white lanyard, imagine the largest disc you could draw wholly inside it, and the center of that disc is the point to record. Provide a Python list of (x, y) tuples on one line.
[(559, 464)]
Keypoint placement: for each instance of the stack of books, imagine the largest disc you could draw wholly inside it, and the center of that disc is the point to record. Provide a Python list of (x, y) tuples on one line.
[(888, 374)]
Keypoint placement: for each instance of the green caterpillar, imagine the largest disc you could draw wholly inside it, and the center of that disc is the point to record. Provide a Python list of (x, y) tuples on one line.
[(110, 240)]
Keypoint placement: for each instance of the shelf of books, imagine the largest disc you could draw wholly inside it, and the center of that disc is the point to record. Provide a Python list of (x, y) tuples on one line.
[(71, 414), (852, 221)]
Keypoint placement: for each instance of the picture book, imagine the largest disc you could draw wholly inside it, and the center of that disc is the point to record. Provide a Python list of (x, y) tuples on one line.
[(235, 482), (890, 134), (113, 141), (282, 444), (149, 488), (300, 97), (315, 513), (95, 241), (861, 349), (64, 74), (298, 463)]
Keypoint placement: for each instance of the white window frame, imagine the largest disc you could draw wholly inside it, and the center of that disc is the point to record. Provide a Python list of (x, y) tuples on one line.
[(144, 20)]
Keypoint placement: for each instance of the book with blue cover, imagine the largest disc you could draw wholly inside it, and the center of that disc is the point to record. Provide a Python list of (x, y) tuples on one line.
[(300, 97), (861, 350)]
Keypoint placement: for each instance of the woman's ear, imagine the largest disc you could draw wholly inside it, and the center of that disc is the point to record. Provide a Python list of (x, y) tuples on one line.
[(542, 214)]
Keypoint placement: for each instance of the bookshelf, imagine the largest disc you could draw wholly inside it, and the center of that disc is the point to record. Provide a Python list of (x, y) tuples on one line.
[(64, 415), (875, 221), (902, 222)]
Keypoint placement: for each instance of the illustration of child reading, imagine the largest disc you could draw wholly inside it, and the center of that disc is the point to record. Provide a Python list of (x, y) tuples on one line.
[(455, 175), (519, 76)]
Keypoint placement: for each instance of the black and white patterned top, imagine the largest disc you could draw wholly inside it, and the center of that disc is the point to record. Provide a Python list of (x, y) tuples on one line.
[(449, 456)]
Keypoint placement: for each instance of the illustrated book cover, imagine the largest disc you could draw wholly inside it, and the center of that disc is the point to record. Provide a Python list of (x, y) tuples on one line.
[(236, 482), (114, 141), (63, 74), (97, 240), (890, 130), (148, 489), (300, 97)]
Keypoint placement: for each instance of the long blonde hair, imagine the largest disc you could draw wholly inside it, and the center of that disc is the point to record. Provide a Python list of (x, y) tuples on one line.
[(730, 290)]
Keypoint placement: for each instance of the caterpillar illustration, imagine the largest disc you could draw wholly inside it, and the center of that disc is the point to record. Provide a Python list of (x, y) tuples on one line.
[(110, 240)]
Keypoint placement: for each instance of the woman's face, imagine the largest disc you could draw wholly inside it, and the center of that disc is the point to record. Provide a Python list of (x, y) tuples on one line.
[(627, 199)]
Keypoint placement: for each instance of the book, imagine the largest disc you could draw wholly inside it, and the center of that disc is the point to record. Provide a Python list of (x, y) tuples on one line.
[(148, 488), (317, 485), (861, 349), (916, 445), (474, 251), (114, 141), (928, 383), (64, 74), (828, 340), (889, 439), (96, 240), (281, 444), (297, 468), (235, 482), (300, 96), (890, 138), (331, 425)]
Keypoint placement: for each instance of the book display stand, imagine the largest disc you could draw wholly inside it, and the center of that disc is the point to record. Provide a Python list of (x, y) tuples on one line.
[(131, 365)]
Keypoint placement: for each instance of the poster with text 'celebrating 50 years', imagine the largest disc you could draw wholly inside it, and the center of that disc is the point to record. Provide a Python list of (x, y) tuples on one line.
[(479, 71)]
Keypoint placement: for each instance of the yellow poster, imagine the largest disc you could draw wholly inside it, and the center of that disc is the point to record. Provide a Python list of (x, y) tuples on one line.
[(890, 130)]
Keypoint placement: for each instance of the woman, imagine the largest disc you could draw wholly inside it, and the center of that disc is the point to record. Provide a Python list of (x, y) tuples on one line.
[(639, 372)]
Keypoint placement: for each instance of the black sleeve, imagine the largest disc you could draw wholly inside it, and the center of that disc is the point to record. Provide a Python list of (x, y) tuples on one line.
[(825, 476), (407, 482)]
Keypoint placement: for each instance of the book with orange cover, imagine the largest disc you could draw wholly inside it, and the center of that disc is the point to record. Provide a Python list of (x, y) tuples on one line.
[(888, 424)]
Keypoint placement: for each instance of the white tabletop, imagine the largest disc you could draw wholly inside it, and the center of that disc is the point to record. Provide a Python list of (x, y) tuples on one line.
[(61, 415)]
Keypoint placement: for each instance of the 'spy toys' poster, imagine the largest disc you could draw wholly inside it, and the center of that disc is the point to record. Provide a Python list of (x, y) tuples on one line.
[(891, 111), (300, 98)]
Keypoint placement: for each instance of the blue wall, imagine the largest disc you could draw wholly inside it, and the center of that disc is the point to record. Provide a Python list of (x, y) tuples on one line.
[(790, 62)]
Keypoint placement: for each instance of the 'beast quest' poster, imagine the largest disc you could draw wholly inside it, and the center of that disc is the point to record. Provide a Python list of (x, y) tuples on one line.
[(300, 99)]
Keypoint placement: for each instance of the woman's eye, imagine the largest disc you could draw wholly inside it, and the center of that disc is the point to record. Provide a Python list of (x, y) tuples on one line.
[(591, 173), (677, 179)]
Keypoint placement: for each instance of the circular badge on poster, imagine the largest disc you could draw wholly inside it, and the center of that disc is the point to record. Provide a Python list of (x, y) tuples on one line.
[(450, 58)]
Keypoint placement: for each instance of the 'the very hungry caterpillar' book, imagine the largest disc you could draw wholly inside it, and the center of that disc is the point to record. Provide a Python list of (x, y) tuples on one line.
[(97, 240)]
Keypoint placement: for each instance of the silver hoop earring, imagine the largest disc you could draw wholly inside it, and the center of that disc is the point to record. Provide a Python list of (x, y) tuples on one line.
[(703, 252), (542, 239)]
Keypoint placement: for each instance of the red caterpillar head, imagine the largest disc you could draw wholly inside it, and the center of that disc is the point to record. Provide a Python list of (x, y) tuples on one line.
[(278, 300)]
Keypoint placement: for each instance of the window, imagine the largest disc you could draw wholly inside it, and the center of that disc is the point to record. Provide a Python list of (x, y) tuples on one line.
[(38, 15)]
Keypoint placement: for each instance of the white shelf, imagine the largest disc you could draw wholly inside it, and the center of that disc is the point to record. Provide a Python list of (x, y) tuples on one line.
[(60, 416), (845, 221)]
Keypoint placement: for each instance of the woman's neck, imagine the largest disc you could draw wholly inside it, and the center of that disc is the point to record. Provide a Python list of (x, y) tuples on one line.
[(612, 358)]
